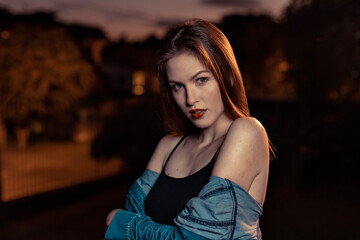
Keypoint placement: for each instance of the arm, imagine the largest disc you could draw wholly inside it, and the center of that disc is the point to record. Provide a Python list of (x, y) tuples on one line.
[(142, 186), (136, 197), (230, 205), (127, 225), (224, 208), (139, 190), (132, 223), (244, 157)]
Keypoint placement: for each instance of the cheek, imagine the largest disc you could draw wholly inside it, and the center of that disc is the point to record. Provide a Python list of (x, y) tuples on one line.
[(178, 99), (216, 98)]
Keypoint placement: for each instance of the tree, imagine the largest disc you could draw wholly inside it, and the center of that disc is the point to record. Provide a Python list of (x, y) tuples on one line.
[(321, 40), (42, 72), (259, 53)]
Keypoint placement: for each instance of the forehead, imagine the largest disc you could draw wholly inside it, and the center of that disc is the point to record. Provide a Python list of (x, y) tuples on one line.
[(183, 66)]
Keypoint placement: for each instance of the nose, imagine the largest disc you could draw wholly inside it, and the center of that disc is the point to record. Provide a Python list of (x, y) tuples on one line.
[(191, 96)]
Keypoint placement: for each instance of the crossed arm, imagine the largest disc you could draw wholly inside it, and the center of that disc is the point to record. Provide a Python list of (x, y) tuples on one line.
[(132, 223), (240, 221)]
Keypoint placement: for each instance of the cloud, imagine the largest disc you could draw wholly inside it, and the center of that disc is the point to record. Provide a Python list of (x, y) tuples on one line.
[(122, 15), (167, 22), (67, 5), (101, 12), (231, 3)]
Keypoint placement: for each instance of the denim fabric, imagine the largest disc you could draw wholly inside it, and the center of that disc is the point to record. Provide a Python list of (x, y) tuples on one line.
[(128, 225), (223, 210), (135, 200)]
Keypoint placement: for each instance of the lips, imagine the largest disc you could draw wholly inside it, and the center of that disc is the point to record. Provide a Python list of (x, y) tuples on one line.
[(197, 113)]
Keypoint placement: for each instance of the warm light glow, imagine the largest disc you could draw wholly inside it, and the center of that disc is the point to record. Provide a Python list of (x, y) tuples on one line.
[(5, 34), (139, 78), (138, 90), (333, 95), (138, 82), (283, 66)]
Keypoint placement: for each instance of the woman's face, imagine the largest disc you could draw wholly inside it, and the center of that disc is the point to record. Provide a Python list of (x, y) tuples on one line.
[(195, 90)]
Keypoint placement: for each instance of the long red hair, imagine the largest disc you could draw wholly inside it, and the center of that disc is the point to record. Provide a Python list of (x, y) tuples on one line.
[(213, 49)]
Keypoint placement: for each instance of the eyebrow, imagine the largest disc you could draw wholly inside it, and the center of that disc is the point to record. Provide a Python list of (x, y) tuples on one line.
[(194, 76)]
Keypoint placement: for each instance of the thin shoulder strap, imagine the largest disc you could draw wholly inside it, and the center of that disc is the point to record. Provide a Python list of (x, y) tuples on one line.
[(176, 146)]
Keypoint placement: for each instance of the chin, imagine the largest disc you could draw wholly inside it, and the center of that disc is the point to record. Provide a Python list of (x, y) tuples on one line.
[(201, 125)]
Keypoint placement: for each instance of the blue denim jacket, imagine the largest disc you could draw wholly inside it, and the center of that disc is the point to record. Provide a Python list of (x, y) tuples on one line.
[(223, 210)]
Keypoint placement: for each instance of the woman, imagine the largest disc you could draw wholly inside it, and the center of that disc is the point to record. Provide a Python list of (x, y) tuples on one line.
[(208, 179)]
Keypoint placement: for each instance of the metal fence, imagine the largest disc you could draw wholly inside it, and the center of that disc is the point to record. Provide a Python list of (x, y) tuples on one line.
[(47, 166), (307, 138)]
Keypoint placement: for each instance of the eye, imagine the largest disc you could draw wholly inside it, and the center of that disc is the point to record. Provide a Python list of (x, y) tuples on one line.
[(201, 80), (176, 86)]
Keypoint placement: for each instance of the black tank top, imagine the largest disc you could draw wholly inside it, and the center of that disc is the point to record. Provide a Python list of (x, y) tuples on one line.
[(169, 195)]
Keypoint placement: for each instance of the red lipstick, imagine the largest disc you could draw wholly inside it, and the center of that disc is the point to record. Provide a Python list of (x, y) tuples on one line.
[(197, 113)]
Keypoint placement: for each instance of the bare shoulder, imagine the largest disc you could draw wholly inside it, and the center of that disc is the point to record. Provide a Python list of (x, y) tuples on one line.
[(162, 151), (248, 128), (244, 155), (249, 135)]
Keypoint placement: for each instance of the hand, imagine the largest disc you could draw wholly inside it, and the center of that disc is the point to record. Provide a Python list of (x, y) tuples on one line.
[(110, 216)]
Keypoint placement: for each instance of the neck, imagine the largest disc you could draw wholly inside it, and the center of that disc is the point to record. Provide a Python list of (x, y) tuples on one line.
[(216, 131)]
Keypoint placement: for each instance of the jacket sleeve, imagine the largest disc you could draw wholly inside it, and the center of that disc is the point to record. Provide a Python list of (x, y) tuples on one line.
[(134, 226), (132, 223), (135, 200), (223, 210)]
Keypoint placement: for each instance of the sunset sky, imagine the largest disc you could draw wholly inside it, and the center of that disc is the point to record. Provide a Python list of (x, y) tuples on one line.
[(136, 19)]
